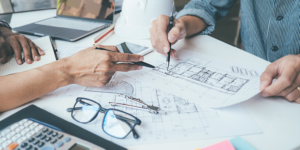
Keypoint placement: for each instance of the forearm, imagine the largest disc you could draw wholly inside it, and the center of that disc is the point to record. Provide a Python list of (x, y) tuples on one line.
[(20, 88), (193, 24), (5, 32)]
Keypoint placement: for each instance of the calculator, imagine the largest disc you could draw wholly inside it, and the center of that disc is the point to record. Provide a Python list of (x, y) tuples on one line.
[(30, 134)]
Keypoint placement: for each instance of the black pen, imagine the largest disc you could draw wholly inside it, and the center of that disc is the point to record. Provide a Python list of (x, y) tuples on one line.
[(137, 63), (171, 24)]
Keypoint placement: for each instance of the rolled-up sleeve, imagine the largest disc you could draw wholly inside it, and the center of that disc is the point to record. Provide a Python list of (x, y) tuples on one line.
[(208, 10), (4, 24)]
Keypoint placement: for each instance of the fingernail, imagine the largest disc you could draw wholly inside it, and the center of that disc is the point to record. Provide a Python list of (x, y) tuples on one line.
[(140, 67), (36, 58), (166, 49), (28, 60), (263, 85), (264, 94), (19, 61), (171, 38), (141, 58), (42, 52)]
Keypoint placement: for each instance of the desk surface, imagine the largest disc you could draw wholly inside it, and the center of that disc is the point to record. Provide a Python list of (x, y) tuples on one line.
[(277, 118)]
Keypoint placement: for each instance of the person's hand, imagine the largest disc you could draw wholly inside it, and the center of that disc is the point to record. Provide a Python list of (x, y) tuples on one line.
[(286, 72), (95, 68), (15, 43), (160, 39)]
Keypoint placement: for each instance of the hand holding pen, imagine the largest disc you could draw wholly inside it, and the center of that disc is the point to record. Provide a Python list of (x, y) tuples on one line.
[(161, 37), (115, 49)]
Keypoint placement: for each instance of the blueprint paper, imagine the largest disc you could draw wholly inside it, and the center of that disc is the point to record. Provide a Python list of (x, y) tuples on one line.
[(185, 120), (201, 79)]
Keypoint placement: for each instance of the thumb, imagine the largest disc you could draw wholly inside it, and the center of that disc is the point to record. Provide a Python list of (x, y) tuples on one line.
[(177, 32), (267, 76)]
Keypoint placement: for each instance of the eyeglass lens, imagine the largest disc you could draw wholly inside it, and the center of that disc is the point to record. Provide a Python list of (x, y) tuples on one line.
[(117, 124), (87, 112)]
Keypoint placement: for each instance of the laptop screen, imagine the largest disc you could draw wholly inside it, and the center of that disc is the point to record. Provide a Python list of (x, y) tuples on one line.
[(29, 5), (92, 9)]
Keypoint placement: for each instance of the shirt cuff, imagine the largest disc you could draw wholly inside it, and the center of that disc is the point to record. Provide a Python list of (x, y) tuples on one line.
[(4, 24), (201, 13)]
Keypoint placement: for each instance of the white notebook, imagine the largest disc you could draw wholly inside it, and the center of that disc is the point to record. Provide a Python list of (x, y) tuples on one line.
[(45, 44)]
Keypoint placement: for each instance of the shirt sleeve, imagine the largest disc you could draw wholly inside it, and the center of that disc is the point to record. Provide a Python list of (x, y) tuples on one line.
[(208, 10), (4, 24)]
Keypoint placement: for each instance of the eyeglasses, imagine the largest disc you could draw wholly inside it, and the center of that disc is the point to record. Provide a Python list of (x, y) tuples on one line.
[(116, 123)]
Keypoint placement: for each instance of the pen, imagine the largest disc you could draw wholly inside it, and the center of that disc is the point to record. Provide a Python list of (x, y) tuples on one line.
[(137, 63), (171, 24)]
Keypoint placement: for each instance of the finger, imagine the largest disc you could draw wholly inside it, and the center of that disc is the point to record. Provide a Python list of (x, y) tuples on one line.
[(15, 46), (26, 49), (289, 89), (155, 40), (298, 100), (3, 55), (162, 27), (112, 48), (267, 76), (173, 53), (295, 94), (123, 57), (41, 52), (34, 51), (126, 67), (177, 32), (285, 80)]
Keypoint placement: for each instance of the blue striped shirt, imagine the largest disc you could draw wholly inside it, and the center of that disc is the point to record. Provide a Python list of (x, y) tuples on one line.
[(270, 29)]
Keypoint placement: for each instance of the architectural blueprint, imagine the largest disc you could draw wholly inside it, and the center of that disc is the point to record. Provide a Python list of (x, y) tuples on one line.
[(185, 120), (201, 79)]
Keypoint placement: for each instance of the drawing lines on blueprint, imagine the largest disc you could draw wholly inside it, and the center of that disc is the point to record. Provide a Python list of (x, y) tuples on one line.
[(244, 72), (115, 87)]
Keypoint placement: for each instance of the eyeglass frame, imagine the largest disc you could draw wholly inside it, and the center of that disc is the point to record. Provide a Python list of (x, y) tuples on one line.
[(104, 110)]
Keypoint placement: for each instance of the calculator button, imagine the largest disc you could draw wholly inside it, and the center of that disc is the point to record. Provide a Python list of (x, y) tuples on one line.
[(54, 134), (16, 137), (10, 134), (2, 140), (21, 140), (6, 131), (6, 143), (60, 136), (43, 137), (26, 124), (24, 145), (47, 139), (19, 129), (26, 130), (67, 139), (29, 134), (38, 135), (53, 141), (12, 146), (50, 132), (45, 130), (33, 126), (41, 144), (38, 128), (23, 121), (31, 140), (35, 148), (59, 144), (28, 147), (36, 142), (13, 127), (49, 147)]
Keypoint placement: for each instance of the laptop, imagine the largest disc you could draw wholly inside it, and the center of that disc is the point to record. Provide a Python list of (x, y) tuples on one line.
[(74, 19)]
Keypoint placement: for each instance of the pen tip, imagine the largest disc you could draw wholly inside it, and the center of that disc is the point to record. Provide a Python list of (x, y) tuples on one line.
[(168, 65)]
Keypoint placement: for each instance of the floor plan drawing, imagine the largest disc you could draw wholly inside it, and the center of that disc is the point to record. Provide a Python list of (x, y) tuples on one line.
[(201, 79), (184, 119)]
